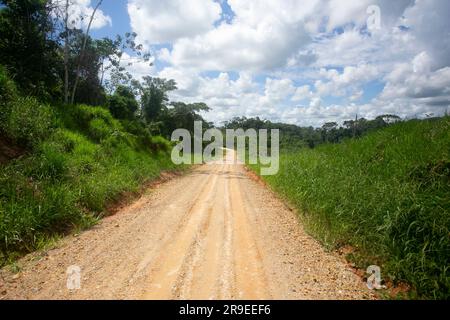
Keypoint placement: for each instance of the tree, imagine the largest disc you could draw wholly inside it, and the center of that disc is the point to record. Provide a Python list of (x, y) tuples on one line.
[(66, 52), (26, 47), (83, 50), (329, 131), (90, 90), (181, 115), (116, 61), (123, 104), (154, 96)]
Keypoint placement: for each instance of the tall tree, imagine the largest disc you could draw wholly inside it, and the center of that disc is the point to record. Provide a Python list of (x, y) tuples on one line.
[(123, 104), (66, 52), (88, 66), (181, 115), (154, 96), (77, 74), (118, 62), (27, 50)]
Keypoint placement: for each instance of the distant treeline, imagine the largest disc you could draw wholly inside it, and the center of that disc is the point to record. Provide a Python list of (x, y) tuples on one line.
[(293, 136)]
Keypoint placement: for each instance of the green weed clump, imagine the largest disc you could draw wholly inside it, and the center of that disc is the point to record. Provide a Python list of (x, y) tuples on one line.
[(28, 121), (8, 92), (387, 195)]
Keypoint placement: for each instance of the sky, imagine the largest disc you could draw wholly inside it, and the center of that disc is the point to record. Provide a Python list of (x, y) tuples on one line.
[(303, 62)]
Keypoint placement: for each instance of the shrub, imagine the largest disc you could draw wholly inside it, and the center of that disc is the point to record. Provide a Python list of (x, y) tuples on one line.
[(117, 139), (72, 174), (159, 143), (52, 161), (8, 93), (28, 121), (123, 104), (140, 131), (99, 129), (82, 115)]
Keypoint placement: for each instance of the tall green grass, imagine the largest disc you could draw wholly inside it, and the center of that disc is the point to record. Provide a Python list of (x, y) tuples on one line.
[(80, 160), (387, 195)]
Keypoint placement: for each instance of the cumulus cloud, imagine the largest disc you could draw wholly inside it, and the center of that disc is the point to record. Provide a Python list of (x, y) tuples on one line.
[(292, 58), (80, 12), (417, 83), (302, 93), (165, 21), (429, 23), (262, 35)]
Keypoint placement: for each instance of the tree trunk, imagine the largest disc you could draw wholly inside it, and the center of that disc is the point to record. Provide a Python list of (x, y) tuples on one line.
[(83, 51), (66, 54)]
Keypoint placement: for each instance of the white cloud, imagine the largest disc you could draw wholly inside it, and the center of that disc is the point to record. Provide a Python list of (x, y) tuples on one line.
[(429, 23), (262, 35), (302, 93), (278, 90), (345, 83), (165, 21), (323, 45), (80, 12), (416, 83)]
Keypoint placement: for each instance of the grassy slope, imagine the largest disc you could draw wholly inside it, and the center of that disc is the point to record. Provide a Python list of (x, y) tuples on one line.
[(387, 195), (80, 161)]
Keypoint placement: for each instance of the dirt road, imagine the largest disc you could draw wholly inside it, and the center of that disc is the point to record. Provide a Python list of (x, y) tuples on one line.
[(212, 234)]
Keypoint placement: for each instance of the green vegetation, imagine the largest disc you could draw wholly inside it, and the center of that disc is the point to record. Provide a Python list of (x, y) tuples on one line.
[(77, 131), (293, 137), (387, 195), (80, 161)]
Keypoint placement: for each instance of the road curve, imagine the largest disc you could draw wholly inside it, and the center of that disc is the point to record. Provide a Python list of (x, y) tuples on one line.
[(214, 233)]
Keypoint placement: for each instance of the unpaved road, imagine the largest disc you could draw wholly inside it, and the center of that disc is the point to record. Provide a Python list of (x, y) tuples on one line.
[(214, 233)]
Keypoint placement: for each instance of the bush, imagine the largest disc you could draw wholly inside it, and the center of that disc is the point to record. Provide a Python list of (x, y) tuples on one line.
[(8, 91), (29, 122), (140, 131), (118, 139), (8, 94), (80, 116), (52, 161), (159, 143), (123, 104), (81, 161), (99, 129)]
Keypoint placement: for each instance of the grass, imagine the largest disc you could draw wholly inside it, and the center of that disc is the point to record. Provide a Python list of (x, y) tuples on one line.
[(387, 195), (80, 160)]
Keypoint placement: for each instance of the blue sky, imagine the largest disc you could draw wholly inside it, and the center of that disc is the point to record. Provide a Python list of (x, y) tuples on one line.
[(303, 62), (117, 10)]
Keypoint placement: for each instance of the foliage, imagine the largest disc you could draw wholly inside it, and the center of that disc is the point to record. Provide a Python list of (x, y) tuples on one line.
[(386, 194), (7, 87), (114, 60), (79, 158), (182, 115), (8, 94), (88, 64), (292, 136), (154, 96), (26, 49), (27, 121), (73, 174), (123, 104)]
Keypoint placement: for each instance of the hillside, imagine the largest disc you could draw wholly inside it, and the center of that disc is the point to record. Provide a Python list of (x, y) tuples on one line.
[(384, 198), (62, 167)]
